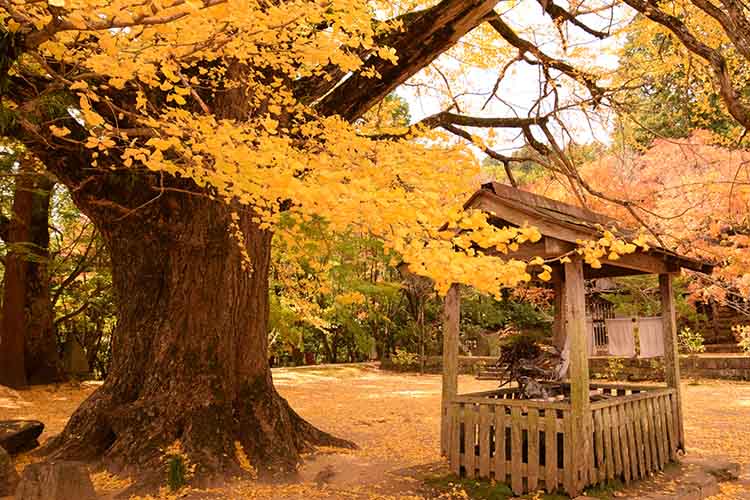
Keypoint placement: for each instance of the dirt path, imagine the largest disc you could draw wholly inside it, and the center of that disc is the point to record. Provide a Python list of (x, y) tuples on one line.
[(394, 419)]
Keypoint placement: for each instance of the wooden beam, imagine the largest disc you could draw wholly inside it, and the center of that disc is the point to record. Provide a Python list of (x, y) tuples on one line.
[(534, 200), (555, 247), (607, 271), (451, 318), (641, 261), (546, 248), (518, 216), (671, 357), (575, 326)]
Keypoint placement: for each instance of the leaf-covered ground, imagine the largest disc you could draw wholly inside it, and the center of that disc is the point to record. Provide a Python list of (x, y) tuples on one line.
[(394, 419)]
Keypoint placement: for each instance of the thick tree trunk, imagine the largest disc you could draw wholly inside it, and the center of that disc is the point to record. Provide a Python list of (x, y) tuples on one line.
[(190, 360), (28, 334)]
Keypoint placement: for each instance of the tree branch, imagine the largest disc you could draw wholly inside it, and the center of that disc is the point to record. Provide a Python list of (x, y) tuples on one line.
[(72, 314), (557, 13), (524, 46), (446, 118), (426, 35), (732, 21), (505, 160)]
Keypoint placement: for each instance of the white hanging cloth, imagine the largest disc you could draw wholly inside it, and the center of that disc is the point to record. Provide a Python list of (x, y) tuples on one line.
[(620, 334), (565, 356), (590, 337), (651, 337)]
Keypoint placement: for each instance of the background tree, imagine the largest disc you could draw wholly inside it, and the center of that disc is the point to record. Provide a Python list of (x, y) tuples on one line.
[(667, 95), (28, 315)]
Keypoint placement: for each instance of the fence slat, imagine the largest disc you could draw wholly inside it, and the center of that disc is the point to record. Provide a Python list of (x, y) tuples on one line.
[(670, 428), (484, 441), (469, 439), (456, 409), (568, 450), (678, 427), (643, 409), (609, 463), (516, 450), (533, 449), (500, 472), (664, 438), (632, 442), (624, 444), (659, 433), (639, 448), (599, 444), (550, 449), (665, 433), (653, 437), (591, 459), (616, 442)]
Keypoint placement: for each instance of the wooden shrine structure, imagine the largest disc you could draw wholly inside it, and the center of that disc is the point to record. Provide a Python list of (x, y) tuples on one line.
[(568, 442)]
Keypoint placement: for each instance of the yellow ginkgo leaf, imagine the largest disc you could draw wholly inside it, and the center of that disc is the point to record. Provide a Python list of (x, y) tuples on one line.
[(59, 131)]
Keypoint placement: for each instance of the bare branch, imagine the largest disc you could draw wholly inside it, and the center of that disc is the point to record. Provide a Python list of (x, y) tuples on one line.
[(557, 13), (489, 152), (524, 46)]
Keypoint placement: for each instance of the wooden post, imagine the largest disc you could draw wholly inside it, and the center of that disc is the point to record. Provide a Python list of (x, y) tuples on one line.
[(671, 357), (451, 316), (575, 315)]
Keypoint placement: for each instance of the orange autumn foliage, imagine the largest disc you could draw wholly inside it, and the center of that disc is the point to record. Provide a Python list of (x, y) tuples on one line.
[(694, 194)]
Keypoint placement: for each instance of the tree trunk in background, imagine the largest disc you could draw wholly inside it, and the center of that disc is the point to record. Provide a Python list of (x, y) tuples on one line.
[(43, 364), (335, 341), (13, 323), (190, 353), (28, 317)]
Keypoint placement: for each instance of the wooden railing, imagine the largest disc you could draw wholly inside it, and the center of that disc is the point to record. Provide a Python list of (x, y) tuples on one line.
[(525, 443)]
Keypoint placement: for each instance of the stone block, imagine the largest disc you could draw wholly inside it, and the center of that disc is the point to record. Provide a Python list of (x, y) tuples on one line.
[(55, 481), (17, 436), (8, 475)]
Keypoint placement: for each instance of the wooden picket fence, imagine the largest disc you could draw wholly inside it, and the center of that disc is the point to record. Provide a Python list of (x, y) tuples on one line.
[(526, 444)]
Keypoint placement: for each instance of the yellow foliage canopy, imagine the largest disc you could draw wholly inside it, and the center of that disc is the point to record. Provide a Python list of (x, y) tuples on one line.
[(175, 58)]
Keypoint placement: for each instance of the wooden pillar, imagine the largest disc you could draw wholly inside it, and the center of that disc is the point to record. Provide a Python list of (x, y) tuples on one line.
[(575, 315), (671, 357), (451, 317)]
